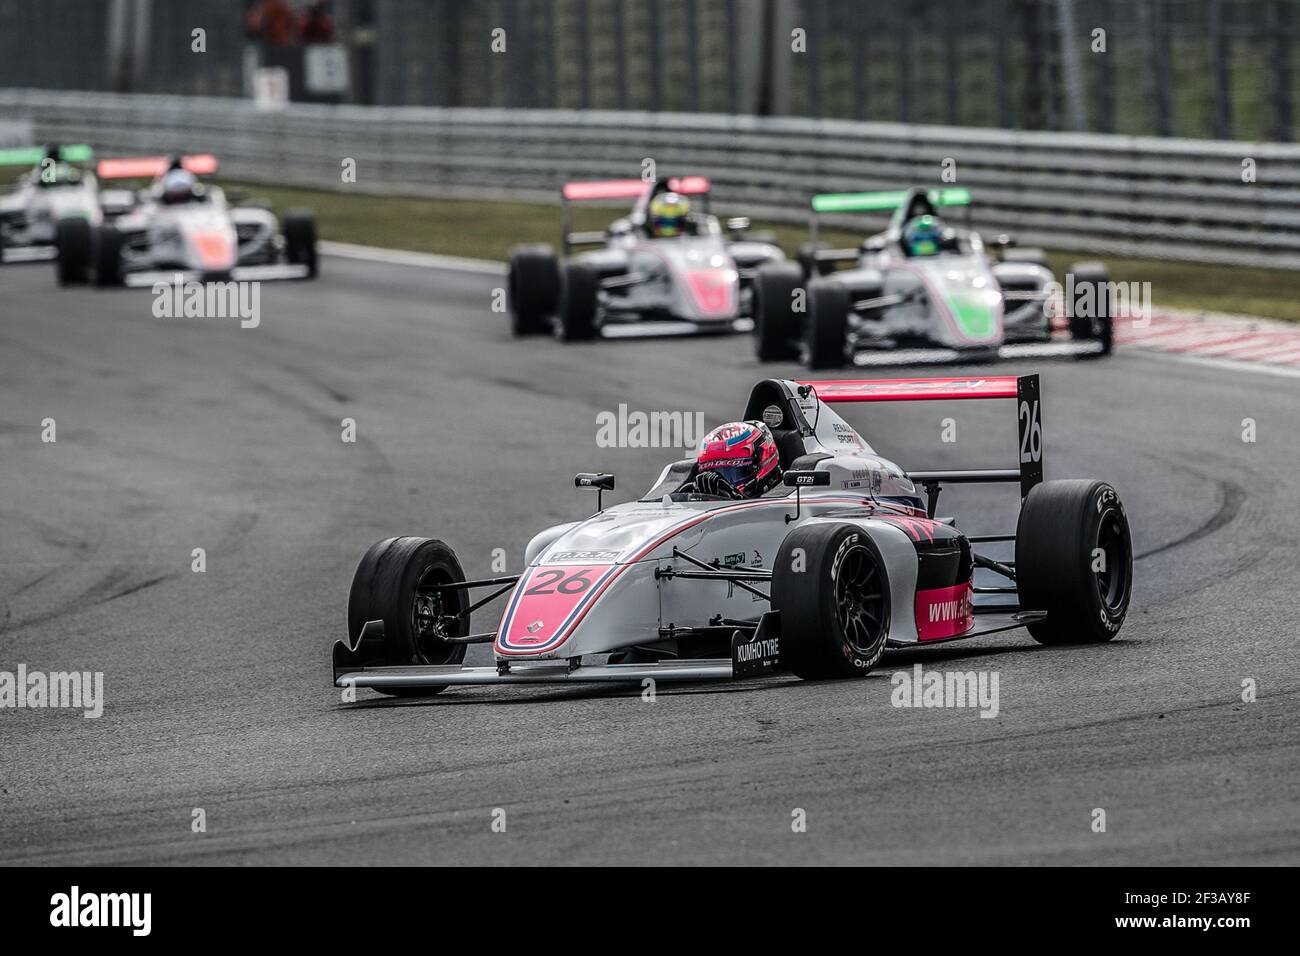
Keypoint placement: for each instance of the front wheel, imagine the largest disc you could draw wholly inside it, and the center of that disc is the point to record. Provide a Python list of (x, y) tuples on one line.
[(826, 331), (108, 257), (1088, 308), (776, 324), (578, 290), (300, 240), (397, 582), (533, 288), (74, 244), (831, 586), (1074, 560)]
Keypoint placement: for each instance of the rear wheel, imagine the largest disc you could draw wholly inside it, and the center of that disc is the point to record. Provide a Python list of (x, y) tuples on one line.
[(830, 584), (827, 326), (396, 582), (533, 288), (73, 241), (577, 321), (300, 239), (1088, 308), (1074, 560), (776, 324)]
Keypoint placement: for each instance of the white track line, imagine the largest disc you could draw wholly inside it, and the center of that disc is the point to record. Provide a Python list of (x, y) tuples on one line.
[(402, 257)]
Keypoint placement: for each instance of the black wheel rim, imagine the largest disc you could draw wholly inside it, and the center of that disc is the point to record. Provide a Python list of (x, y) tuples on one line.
[(860, 600), (434, 615), (1112, 577)]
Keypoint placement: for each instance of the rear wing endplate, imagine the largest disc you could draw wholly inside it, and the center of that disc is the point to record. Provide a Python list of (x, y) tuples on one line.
[(1023, 388)]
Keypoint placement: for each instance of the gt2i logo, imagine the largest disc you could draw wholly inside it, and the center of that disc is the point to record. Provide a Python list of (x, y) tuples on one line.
[(1031, 433), (563, 583)]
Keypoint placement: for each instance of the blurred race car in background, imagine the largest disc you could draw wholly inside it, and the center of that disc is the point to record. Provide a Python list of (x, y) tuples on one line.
[(918, 284), (664, 260), (57, 195), (179, 225)]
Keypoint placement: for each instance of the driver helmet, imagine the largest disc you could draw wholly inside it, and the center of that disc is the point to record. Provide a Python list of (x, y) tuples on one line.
[(923, 236), (744, 453), (179, 185), (668, 212)]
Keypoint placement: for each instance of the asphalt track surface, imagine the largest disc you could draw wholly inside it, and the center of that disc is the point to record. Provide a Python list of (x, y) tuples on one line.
[(174, 434)]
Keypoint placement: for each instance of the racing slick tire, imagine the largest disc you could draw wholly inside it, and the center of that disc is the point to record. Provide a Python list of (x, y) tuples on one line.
[(830, 584), (387, 587), (776, 324), (806, 256), (108, 257), (1074, 560), (533, 288), (300, 240), (577, 308), (74, 243), (1091, 280), (827, 325)]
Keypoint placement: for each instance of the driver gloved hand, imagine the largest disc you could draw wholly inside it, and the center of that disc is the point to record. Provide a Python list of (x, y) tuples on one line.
[(713, 484)]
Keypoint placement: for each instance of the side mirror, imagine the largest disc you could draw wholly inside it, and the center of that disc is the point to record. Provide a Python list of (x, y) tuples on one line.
[(803, 479), (601, 482), (806, 479)]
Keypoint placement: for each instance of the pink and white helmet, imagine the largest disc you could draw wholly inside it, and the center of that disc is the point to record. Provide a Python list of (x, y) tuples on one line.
[(745, 454)]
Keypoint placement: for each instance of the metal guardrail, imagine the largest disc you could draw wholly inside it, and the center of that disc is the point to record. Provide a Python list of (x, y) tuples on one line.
[(1104, 194)]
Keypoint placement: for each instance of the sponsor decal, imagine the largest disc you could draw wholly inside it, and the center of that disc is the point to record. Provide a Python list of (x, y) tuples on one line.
[(595, 557), (943, 612)]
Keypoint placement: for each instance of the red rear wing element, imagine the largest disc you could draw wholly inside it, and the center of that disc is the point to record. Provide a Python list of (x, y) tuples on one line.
[(151, 167), (1023, 388), (914, 389), (630, 188)]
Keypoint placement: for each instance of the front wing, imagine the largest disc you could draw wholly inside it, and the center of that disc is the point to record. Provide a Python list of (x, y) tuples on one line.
[(752, 655)]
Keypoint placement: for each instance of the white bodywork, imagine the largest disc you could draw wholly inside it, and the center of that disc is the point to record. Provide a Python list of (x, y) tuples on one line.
[(590, 586), (30, 213)]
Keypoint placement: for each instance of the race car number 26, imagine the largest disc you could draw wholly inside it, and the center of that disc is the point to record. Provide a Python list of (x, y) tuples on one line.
[(554, 580), (1031, 433)]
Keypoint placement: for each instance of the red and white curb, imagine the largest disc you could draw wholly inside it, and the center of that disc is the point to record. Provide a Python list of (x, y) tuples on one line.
[(1214, 337)]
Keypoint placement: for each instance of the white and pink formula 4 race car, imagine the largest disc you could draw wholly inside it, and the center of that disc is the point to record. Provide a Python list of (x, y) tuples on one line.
[(701, 277), (816, 577)]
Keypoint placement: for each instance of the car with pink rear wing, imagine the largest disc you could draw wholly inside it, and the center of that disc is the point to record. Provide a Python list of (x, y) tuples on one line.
[(699, 275), (847, 556)]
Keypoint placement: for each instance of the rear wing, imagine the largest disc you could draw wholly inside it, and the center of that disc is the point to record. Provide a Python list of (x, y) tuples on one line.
[(892, 201), (35, 155), (607, 190), (151, 167), (1023, 388)]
